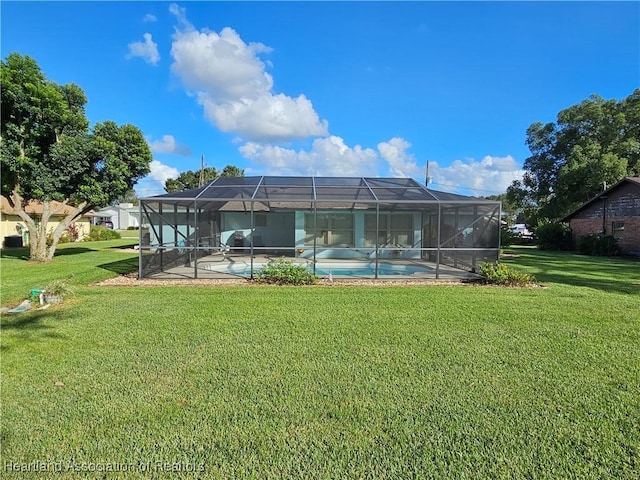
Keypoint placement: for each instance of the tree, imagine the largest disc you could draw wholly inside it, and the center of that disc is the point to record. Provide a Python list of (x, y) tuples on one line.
[(191, 179), (512, 210), (50, 156), (232, 171), (592, 144), (129, 196)]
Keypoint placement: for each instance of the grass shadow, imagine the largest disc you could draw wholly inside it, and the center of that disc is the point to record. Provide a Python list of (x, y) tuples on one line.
[(122, 267), (21, 253), (124, 247), (29, 320), (72, 251), (32, 325), (609, 274)]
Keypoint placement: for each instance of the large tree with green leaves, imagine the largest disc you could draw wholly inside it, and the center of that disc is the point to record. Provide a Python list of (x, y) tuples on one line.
[(512, 211), (193, 179), (592, 144), (50, 156)]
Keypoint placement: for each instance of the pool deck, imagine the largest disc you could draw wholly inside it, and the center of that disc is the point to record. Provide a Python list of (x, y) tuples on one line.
[(221, 267)]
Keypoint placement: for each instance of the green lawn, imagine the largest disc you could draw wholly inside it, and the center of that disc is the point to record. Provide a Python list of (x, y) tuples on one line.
[(325, 382)]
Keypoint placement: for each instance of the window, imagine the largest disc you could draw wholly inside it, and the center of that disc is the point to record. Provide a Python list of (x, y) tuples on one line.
[(617, 226), (394, 229), (333, 229)]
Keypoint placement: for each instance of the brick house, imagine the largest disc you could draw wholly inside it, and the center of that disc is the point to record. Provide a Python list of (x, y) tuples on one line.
[(615, 211)]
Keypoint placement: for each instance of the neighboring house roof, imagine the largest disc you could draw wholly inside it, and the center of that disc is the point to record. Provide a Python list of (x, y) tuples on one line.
[(106, 212), (632, 180), (113, 209), (36, 208)]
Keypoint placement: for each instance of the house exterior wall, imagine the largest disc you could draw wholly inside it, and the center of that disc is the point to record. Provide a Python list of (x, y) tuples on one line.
[(130, 218), (278, 230), (10, 225), (126, 216), (628, 239), (621, 205), (284, 230)]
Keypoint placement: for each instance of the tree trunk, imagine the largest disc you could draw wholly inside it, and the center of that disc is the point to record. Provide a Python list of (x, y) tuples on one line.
[(39, 251), (62, 226)]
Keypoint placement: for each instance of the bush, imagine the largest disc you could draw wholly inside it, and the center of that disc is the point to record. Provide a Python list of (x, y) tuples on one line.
[(554, 236), (73, 232), (64, 238), (98, 233), (600, 245), (507, 237), (501, 274), (284, 272)]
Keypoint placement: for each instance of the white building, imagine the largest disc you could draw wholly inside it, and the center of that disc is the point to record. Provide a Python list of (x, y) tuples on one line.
[(123, 216)]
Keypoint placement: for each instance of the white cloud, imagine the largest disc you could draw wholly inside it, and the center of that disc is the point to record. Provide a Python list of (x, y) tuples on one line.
[(401, 163), (328, 156), (229, 79), (267, 118), (149, 17), (491, 175), (161, 172), (153, 184), (147, 50), (180, 14), (168, 145)]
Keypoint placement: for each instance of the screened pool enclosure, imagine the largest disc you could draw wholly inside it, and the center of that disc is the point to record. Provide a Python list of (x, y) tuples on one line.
[(337, 226)]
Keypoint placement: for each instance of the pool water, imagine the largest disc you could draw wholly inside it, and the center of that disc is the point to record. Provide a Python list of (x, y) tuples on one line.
[(344, 269), (370, 270)]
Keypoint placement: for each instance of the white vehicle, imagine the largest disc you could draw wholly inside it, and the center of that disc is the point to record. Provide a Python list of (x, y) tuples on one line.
[(521, 229)]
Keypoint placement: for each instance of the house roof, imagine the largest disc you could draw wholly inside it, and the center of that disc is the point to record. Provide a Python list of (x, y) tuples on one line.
[(36, 208), (291, 190), (632, 180)]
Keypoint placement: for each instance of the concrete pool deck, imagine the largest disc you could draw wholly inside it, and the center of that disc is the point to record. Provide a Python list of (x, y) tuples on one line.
[(238, 267)]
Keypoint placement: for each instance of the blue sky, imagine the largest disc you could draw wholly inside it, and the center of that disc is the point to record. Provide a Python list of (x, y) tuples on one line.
[(334, 88)]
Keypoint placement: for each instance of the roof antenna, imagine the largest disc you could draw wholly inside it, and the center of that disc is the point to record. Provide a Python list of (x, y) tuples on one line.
[(427, 178), (201, 179)]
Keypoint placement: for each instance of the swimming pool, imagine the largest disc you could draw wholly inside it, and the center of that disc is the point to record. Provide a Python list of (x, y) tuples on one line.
[(341, 269), (369, 270)]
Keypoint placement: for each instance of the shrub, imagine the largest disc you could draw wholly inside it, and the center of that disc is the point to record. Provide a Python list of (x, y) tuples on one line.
[(284, 272), (73, 232), (553, 235), (507, 237), (601, 245), (98, 233), (501, 274), (64, 238)]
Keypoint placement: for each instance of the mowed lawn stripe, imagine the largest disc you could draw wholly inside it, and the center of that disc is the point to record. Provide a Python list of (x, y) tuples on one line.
[(330, 382)]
